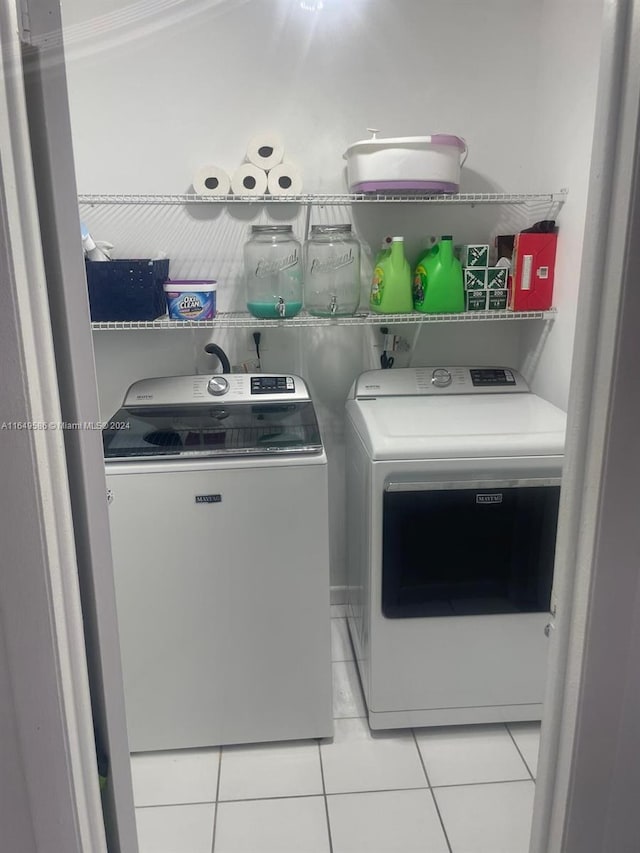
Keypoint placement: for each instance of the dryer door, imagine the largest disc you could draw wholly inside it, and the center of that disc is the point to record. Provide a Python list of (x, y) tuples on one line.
[(468, 548)]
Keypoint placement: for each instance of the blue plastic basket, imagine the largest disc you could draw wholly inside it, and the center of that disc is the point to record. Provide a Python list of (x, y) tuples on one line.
[(127, 289)]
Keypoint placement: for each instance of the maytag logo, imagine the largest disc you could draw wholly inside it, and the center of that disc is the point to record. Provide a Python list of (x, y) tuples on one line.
[(144, 396), (208, 499), (489, 499)]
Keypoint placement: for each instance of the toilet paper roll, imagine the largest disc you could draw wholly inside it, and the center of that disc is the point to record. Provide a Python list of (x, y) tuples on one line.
[(285, 179), (265, 150), (211, 180), (249, 180)]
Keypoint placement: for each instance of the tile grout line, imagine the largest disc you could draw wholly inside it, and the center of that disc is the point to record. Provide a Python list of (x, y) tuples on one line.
[(426, 787), (433, 797), (515, 743), (477, 784), (324, 796), (176, 805), (215, 810), (377, 791), (280, 797)]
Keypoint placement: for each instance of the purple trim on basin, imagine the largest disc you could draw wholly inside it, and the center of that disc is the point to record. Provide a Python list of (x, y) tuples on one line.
[(405, 186), (448, 139)]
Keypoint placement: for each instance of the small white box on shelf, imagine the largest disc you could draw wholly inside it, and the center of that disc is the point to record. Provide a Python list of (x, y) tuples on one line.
[(475, 300), (474, 255), (497, 278), (475, 278), (497, 299)]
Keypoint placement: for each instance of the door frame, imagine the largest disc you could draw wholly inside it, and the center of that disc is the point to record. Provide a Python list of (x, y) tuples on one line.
[(586, 776), (56, 802)]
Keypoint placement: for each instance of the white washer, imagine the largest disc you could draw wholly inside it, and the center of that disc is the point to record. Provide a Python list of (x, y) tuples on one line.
[(453, 481), (219, 526)]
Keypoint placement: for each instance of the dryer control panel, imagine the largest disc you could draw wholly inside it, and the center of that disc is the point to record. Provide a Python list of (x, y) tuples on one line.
[(438, 380), (492, 377)]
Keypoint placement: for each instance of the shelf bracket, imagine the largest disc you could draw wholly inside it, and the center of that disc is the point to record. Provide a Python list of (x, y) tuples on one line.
[(307, 220), (414, 342)]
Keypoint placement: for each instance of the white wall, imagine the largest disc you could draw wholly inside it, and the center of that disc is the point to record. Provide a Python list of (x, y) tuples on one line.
[(175, 84), (182, 83), (564, 131)]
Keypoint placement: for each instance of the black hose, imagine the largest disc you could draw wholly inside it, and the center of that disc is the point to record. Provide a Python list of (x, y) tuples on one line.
[(214, 349)]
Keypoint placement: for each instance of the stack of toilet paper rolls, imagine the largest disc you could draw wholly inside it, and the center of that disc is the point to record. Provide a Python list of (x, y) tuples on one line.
[(264, 172)]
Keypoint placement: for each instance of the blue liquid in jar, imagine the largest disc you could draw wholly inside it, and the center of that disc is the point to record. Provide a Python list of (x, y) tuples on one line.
[(269, 310)]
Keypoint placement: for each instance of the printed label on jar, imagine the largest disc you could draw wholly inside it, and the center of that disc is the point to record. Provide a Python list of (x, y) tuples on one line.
[(331, 264), (272, 266)]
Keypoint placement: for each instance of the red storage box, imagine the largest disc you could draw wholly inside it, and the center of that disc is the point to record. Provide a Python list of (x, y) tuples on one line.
[(533, 265)]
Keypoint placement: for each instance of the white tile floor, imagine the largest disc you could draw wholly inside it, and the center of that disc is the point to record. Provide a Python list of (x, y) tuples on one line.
[(464, 789)]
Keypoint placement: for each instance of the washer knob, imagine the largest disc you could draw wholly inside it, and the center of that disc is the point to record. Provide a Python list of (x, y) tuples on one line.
[(217, 386), (441, 378)]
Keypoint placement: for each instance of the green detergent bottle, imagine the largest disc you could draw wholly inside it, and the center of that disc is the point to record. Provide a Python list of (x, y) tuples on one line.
[(384, 251), (391, 284), (437, 282)]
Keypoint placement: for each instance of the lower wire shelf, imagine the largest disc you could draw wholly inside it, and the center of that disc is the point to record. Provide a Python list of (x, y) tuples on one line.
[(244, 320)]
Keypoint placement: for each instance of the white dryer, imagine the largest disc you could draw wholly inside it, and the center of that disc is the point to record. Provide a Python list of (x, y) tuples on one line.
[(453, 484)]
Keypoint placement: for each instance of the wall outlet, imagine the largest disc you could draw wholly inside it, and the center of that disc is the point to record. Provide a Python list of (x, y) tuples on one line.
[(395, 343)]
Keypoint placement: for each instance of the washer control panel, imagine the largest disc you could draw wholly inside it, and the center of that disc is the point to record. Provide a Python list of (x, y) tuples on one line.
[(441, 377), (217, 386), (272, 385), (199, 390)]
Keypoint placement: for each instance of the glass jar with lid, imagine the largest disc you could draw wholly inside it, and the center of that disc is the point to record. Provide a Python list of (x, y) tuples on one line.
[(273, 272), (332, 271)]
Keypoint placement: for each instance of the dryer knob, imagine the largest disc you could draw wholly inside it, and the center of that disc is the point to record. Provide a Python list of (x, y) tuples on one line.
[(217, 386), (441, 378)]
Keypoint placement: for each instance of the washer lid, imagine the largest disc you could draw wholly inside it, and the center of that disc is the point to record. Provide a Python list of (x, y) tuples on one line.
[(458, 426), (245, 429), (221, 415)]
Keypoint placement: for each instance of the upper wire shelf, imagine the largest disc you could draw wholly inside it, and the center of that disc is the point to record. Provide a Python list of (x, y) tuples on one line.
[(329, 199), (243, 320)]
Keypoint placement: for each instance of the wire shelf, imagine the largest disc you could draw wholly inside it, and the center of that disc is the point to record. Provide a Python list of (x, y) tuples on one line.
[(243, 320), (328, 199)]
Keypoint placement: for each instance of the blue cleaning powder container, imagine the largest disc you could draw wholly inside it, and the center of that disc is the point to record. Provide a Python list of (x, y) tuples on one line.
[(191, 299)]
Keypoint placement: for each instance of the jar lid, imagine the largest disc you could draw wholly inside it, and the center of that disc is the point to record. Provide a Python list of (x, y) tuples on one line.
[(329, 229), (271, 229)]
